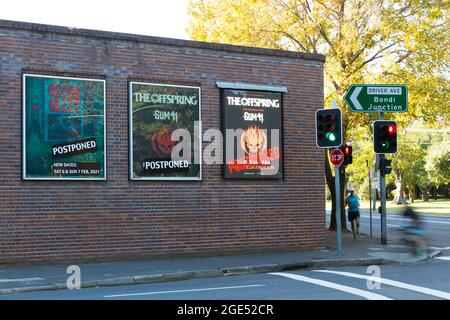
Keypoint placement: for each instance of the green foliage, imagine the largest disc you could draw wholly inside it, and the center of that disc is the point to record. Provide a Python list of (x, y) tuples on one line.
[(371, 41), (437, 162)]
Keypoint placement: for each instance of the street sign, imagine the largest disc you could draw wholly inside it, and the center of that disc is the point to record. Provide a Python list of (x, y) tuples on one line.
[(336, 157), (377, 98), (376, 184)]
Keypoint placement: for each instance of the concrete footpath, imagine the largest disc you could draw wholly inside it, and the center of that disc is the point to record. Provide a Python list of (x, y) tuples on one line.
[(364, 251)]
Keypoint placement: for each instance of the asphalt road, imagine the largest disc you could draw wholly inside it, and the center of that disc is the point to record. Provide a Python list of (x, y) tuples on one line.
[(437, 229), (421, 281), (424, 280)]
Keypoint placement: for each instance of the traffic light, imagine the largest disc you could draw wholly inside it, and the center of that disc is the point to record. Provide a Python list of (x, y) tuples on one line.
[(385, 136), (348, 157), (385, 166), (328, 128)]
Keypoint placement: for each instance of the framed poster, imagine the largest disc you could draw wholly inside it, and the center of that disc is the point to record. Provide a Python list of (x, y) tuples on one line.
[(63, 123), (165, 132), (252, 123)]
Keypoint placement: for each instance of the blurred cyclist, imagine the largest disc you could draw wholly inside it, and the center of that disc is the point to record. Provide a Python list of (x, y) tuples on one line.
[(414, 231)]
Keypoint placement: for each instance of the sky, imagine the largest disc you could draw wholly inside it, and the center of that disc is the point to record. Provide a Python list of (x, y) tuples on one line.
[(162, 18)]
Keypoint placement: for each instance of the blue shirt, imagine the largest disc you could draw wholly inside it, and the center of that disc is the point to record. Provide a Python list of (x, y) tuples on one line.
[(352, 202)]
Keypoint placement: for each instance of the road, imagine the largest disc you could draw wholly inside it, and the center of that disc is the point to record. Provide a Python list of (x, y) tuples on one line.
[(437, 228), (422, 281)]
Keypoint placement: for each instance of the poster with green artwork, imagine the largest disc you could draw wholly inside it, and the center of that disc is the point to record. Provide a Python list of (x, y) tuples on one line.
[(165, 138), (63, 128)]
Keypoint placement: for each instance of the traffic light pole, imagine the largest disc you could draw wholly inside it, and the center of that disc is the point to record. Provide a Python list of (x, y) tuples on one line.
[(381, 158), (337, 188), (370, 197), (383, 205)]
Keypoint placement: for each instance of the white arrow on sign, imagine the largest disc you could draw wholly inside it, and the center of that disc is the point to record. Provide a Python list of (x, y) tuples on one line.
[(354, 98)]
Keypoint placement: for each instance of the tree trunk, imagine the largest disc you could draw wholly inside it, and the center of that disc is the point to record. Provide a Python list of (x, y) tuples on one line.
[(330, 183), (425, 195), (400, 188), (343, 196), (412, 192), (331, 186), (417, 191), (434, 193)]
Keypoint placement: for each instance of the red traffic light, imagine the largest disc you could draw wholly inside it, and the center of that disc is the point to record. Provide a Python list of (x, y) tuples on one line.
[(385, 136), (392, 129), (347, 150)]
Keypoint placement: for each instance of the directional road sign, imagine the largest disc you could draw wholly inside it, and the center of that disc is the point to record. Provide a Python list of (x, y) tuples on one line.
[(377, 98)]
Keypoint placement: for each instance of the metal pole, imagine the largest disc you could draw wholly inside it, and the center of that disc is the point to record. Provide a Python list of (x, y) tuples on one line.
[(337, 192), (383, 197), (370, 197), (338, 210), (375, 174), (383, 207)]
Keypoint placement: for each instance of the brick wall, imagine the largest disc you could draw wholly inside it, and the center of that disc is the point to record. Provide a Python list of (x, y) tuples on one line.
[(56, 221)]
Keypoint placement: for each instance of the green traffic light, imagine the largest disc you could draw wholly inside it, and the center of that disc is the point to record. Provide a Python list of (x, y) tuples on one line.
[(385, 145), (328, 127), (330, 136)]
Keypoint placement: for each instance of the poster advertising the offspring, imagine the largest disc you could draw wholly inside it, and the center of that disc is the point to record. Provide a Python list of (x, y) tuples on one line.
[(253, 134), (161, 116)]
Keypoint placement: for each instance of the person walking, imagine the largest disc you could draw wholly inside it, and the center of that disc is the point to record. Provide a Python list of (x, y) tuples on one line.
[(353, 212)]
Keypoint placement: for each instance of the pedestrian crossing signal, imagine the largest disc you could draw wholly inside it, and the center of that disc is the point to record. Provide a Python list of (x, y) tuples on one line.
[(348, 155), (385, 166)]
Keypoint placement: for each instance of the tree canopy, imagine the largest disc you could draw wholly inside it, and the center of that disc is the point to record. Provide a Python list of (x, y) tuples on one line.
[(392, 41), (364, 41)]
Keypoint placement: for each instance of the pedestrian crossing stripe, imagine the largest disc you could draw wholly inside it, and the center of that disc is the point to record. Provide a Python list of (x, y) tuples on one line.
[(362, 293), (424, 290), (443, 258)]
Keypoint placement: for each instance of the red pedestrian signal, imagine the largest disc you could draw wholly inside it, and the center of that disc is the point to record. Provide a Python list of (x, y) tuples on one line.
[(348, 157)]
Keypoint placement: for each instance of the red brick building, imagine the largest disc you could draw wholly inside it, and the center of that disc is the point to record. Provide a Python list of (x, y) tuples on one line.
[(121, 218)]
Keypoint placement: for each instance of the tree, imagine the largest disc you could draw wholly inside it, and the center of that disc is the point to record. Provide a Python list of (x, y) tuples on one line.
[(437, 163), (364, 41), (409, 167)]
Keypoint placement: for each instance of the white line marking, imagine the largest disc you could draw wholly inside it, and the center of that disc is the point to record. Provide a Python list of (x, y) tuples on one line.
[(443, 258), (365, 294), (398, 246), (20, 280), (401, 219), (393, 225), (180, 291), (432, 292), (437, 248)]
